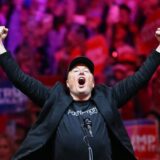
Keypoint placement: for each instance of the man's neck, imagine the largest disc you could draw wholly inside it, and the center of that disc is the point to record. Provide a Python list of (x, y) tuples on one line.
[(80, 97)]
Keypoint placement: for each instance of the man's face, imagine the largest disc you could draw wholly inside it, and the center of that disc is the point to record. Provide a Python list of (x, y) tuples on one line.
[(80, 82)]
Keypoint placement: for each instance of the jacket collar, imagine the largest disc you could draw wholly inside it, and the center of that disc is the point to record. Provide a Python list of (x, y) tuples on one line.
[(97, 96)]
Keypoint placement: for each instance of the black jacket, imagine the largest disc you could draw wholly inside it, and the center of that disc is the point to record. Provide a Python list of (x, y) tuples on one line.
[(56, 100)]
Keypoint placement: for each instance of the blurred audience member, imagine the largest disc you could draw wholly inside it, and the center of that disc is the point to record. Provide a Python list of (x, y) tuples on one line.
[(20, 134), (6, 147), (15, 37), (4, 13)]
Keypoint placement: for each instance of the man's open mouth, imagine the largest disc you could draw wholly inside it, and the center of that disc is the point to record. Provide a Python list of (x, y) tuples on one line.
[(81, 80)]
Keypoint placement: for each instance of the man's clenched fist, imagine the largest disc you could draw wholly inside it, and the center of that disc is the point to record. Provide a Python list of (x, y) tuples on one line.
[(3, 32)]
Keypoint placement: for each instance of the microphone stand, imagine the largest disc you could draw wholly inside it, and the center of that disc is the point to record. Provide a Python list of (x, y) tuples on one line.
[(86, 140)]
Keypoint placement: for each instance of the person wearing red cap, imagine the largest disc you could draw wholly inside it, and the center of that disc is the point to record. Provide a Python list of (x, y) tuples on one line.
[(79, 120)]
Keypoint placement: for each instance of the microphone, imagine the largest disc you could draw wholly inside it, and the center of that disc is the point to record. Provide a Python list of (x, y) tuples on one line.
[(88, 125)]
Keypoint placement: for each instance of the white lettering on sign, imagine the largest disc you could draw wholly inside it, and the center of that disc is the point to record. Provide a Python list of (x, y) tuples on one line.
[(143, 143), (11, 96)]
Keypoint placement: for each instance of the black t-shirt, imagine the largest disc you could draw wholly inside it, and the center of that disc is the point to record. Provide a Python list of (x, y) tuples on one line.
[(69, 143)]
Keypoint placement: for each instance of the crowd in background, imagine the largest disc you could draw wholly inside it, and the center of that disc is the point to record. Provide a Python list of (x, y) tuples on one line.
[(45, 35)]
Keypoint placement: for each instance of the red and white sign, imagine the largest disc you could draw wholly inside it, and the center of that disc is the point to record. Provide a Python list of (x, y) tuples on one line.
[(144, 138)]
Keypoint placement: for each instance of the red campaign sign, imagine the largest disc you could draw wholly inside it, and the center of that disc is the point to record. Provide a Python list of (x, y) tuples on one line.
[(144, 138)]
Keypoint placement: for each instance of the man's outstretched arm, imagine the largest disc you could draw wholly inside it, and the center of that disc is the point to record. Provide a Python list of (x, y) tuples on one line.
[(28, 85)]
